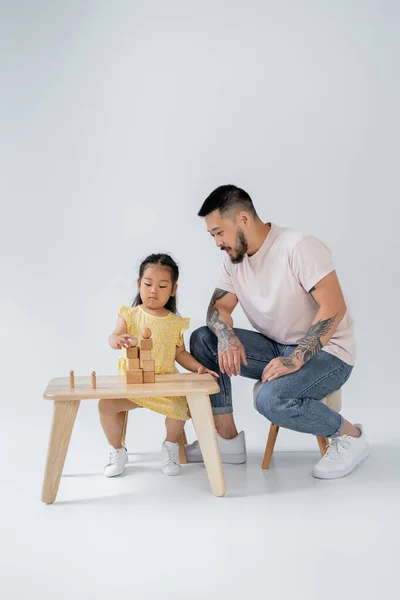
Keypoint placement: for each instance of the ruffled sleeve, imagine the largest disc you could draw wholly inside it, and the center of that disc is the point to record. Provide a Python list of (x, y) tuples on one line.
[(184, 324), (126, 313)]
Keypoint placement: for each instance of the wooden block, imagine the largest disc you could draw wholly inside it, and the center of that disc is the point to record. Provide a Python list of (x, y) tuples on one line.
[(149, 377), (145, 333), (146, 344), (148, 365), (134, 376), (131, 352), (132, 363), (145, 355)]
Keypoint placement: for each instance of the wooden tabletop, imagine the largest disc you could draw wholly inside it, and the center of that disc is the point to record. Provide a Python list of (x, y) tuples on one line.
[(115, 386)]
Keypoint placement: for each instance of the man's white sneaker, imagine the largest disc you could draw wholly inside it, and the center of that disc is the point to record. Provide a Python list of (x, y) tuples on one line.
[(232, 451), (170, 452), (117, 460), (343, 454)]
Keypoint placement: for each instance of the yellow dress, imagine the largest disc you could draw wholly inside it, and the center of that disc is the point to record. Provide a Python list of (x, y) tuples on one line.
[(167, 334)]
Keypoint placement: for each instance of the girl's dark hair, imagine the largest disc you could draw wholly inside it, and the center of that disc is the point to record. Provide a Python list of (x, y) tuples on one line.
[(163, 260)]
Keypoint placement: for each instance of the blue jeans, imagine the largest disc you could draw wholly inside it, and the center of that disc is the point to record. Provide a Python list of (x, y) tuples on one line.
[(291, 401)]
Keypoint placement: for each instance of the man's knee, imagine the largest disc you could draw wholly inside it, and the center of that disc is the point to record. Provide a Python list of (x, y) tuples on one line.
[(202, 341), (269, 404)]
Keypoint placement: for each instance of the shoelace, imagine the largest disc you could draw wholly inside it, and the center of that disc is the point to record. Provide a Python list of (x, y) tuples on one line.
[(113, 457), (336, 447)]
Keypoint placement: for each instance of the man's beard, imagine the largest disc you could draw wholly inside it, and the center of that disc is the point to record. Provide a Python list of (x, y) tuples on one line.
[(240, 249)]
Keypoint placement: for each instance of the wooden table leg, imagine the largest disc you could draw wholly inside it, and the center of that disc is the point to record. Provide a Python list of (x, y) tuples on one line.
[(64, 414), (124, 420), (203, 422)]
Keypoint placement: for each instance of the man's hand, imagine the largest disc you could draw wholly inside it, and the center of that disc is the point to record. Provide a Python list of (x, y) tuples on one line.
[(230, 354), (278, 367)]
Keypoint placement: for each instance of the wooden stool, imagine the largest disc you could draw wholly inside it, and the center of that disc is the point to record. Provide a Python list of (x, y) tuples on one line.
[(66, 401), (333, 401)]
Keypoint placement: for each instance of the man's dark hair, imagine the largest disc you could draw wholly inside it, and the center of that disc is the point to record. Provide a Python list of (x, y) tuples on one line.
[(226, 198)]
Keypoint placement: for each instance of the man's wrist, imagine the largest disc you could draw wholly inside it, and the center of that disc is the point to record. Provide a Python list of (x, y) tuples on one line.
[(293, 360)]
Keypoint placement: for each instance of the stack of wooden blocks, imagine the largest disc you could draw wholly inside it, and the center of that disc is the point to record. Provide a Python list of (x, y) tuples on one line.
[(140, 367)]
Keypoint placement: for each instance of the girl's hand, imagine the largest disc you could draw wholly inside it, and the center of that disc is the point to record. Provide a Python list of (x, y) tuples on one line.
[(118, 342), (201, 370)]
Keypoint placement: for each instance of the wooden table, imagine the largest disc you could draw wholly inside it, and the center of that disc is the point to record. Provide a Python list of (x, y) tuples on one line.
[(196, 388)]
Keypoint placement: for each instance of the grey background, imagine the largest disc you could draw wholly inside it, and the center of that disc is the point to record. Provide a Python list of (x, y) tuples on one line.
[(117, 121)]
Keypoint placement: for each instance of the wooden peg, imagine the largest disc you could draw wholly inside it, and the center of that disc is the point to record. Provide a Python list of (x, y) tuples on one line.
[(133, 342), (146, 333), (93, 380), (71, 379)]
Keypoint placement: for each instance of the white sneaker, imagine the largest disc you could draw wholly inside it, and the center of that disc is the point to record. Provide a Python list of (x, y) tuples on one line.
[(171, 464), (344, 453), (233, 452), (117, 460)]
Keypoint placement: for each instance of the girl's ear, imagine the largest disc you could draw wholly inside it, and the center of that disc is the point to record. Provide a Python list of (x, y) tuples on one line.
[(138, 284), (173, 293)]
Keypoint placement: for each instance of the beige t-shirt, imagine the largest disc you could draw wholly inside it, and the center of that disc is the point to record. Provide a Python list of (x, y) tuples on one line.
[(273, 285)]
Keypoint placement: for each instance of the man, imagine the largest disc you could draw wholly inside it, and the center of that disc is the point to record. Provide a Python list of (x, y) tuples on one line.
[(303, 347)]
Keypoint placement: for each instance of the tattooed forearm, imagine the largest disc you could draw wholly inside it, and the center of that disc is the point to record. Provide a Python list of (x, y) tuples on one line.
[(214, 322), (311, 343)]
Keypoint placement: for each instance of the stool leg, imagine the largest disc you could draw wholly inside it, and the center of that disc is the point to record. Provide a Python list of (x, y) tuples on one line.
[(322, 443), (182, 451), (273, 434), (124, 419)]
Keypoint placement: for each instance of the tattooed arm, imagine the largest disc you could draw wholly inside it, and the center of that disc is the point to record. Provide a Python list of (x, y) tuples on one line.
[(328, 295), (219, 320)]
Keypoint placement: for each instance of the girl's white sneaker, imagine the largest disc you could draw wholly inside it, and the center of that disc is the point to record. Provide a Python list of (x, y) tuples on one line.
[(170, 451), (117, 460)]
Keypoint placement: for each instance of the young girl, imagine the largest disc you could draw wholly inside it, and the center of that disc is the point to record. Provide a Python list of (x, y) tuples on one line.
[(154, 307)]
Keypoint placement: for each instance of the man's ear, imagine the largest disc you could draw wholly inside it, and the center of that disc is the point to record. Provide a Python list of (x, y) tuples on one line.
[(174, 289), (243, 218)]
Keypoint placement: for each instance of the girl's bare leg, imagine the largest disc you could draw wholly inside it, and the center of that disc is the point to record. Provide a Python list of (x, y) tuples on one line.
[(110, 417), (174, 429)]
